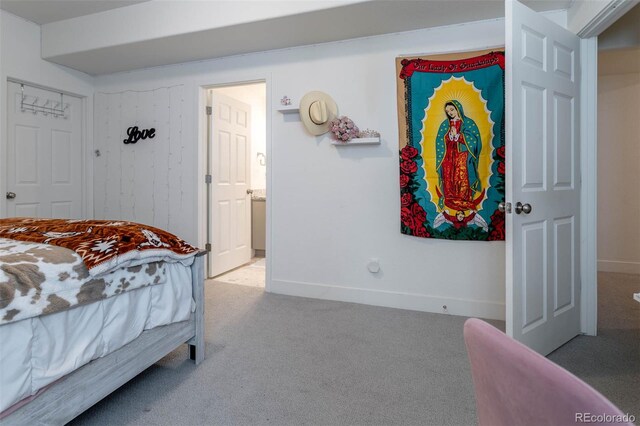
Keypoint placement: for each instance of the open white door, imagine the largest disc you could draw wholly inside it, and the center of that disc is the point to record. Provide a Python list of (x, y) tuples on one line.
[(543, 174), (230, 210)]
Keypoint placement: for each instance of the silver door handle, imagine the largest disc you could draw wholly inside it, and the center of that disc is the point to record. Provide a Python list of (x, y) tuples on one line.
[(249, 191), (11, 195), (523, 208), (504, 207)]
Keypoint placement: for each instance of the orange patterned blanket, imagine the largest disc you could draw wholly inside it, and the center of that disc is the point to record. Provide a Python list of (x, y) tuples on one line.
[(103, 245)]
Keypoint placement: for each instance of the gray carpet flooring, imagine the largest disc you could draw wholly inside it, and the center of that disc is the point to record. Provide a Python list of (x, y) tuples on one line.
[(610, 362), (280, 360)]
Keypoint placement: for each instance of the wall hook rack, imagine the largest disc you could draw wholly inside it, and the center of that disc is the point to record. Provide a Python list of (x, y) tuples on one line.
[(31, 104)]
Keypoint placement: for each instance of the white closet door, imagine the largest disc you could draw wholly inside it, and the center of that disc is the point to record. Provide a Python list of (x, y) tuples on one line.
[(44, 156)]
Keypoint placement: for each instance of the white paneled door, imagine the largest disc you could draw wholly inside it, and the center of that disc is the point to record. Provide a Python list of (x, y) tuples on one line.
[(44, 155), (543, 180), (230, 209)]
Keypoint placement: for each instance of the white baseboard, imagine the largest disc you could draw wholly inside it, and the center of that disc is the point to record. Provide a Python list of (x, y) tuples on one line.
[(618, 266), (415, 302)]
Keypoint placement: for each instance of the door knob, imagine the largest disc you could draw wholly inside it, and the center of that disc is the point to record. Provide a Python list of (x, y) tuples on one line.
[(523, 208), (504, 207), (11, 195), (249, 191)]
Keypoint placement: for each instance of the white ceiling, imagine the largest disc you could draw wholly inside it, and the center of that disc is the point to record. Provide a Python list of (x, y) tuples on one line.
[(46, 11), (331, 22)]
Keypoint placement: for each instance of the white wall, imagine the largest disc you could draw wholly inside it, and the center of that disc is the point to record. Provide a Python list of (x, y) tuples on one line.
[(618, 172), (255, 95), (623, 33), (20, 59), (148, 181), (331, 210)]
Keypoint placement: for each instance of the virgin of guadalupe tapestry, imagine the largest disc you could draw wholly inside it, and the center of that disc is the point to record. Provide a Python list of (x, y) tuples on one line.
[(451, 121)]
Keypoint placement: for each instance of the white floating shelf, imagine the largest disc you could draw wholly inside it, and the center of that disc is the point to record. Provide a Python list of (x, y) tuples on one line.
[(289, 109), (359, 141)]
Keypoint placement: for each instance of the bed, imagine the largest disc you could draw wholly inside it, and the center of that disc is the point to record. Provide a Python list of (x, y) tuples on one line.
[(85, 306)]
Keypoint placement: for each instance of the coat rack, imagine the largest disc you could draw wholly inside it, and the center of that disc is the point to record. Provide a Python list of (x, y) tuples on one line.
[(53, 108)]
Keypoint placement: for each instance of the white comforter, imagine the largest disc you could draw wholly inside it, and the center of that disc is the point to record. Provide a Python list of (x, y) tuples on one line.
[(34, 352)]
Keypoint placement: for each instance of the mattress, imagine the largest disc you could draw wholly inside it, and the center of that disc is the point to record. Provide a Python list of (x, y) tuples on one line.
[(37, 351)]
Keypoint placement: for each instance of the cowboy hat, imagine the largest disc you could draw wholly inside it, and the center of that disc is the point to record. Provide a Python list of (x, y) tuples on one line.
[(317, 109)]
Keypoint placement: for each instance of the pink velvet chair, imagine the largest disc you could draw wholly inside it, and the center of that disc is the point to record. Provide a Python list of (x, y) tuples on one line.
[(516, 386)]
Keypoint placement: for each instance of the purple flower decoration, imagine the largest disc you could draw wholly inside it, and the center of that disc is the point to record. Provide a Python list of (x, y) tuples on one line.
[(343, 129)]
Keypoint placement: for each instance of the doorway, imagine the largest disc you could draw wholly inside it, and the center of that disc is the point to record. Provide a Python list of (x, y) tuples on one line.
[(237, 186), (618, 250), (619, 149), (618, 154)]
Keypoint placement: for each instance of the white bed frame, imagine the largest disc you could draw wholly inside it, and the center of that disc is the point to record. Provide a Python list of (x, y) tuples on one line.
[(78, 391)]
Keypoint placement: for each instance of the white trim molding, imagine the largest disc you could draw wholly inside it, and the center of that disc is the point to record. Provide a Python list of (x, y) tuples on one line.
[(589, 188), (605, 17), (618, 266), (203, 86), (391, 299)]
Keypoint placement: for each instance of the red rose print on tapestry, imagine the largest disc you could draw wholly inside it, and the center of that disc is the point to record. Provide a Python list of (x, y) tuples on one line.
[(422, 232), (500, 153), (496, 230), (407, 218), (406, 199), (408, 166), (408, 152), (419, 215)]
